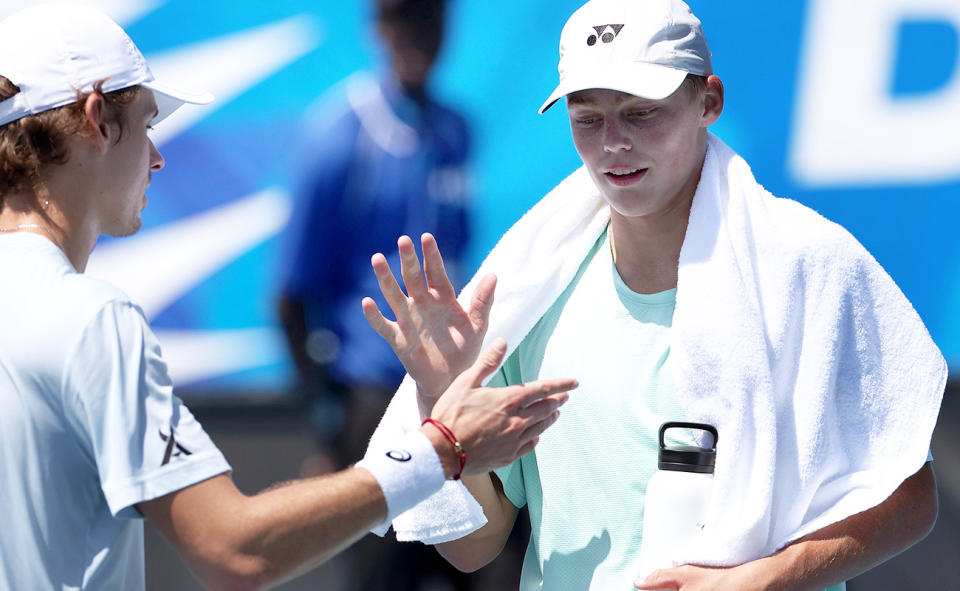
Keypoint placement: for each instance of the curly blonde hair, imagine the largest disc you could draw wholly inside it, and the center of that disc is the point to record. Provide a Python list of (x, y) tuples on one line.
[(31, 143)]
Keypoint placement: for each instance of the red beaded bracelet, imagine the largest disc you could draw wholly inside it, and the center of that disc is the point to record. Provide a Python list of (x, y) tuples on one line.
[(457, 448)]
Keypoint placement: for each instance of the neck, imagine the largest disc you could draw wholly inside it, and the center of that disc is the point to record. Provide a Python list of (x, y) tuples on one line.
[(647, 252), (646, 249), (30, 214)]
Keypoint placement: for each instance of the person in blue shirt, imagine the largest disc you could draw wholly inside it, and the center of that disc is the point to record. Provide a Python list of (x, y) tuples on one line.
[(380, 158)]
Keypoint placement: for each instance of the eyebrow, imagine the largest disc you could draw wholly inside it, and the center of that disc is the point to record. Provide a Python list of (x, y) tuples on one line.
[(577, 98), (580, 98)]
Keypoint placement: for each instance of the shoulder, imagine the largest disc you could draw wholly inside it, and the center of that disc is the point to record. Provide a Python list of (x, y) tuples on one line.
[(89, 294), (805, 230), (807, 244), (93, 312)]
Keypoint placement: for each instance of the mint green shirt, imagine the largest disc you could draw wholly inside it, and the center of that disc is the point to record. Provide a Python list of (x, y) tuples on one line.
[(584, 484)]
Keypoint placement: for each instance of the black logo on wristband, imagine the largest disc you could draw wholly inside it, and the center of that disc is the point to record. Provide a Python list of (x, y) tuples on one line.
[(400, 455)]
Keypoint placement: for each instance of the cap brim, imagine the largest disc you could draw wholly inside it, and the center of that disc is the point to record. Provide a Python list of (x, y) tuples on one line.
[(649, 81), (170, 99)]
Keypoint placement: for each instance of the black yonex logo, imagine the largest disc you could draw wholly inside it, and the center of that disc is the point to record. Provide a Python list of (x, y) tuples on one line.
[(400, 455), (605, 33), (171, 446)]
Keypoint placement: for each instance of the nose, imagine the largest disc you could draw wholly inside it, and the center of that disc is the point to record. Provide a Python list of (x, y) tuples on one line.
[(156, 159), (614, 138)]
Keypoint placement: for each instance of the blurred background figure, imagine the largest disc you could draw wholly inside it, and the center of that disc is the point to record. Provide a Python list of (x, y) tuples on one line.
[(379, 158)]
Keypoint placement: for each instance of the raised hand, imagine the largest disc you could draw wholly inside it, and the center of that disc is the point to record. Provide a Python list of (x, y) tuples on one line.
[(498, 425), (433, 336)]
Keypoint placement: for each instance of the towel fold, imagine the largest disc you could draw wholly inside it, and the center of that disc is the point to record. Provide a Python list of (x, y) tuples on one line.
[(787, 336)]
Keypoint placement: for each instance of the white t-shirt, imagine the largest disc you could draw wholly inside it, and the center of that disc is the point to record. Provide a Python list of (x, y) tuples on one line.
[(89, 426)]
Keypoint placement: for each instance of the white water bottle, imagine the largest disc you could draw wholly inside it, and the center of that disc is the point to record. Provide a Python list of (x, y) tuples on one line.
[(676, 499)]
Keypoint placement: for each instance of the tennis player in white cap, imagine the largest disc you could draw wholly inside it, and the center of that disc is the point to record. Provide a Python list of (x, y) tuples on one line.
[(92, 438), (675, 288)]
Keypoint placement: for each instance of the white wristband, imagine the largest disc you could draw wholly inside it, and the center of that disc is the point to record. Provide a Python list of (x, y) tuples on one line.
[(407, 472)]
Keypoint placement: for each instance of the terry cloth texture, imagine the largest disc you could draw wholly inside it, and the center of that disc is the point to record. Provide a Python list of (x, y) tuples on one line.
[(787, 336)]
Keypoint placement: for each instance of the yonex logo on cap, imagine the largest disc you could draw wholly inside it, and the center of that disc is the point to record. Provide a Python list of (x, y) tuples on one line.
[(400, 455), (605, 33)]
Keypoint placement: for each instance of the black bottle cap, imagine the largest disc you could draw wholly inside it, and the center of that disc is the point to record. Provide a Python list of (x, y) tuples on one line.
[(685, 458)]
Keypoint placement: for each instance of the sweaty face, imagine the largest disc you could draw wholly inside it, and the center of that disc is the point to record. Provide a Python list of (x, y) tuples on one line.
[(130, 159), (644, 155)]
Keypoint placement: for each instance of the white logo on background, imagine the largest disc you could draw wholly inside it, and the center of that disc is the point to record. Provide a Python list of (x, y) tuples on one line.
[(848, 129)]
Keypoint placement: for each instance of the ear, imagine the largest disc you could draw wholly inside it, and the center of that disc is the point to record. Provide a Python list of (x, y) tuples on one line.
[(98, 128), (712, 100)]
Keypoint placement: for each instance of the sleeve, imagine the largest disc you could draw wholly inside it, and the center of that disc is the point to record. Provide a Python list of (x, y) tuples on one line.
[(144, 442)]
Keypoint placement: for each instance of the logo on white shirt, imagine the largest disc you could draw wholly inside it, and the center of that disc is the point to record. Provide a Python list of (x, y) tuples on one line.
[(174, 449)]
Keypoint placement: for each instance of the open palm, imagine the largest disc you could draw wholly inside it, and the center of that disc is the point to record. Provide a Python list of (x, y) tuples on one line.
[(433, 336)]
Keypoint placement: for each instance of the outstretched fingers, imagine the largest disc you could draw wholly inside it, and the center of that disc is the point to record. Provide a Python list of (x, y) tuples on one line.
[(388, 285), (536, 427), (528, 396), (410, 268), (434, 270), (378, 322)]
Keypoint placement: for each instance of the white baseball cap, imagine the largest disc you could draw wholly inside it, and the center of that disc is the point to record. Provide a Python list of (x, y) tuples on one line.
[(52, 51), (642, 47)]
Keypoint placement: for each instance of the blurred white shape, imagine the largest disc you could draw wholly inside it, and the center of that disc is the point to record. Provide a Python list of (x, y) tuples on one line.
[(158, 266), (198, 355), (228, 66), (848, 129), (122, 11), (377, 117)]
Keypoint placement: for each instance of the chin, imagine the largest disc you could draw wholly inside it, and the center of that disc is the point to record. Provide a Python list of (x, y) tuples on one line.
[(125, 230)]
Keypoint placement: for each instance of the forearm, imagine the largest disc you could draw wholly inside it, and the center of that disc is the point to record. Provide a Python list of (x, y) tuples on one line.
[(860, 542), (480, 547), (828, 556), (232, 541), (292, 529), (296, 527)]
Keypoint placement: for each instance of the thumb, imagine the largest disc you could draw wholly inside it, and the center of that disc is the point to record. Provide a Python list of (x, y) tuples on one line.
[(658, 580), (487, 362), (482, 300)]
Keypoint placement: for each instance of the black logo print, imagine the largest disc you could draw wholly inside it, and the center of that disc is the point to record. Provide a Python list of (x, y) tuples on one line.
[(171, 446), (605, 33), (400, 455)]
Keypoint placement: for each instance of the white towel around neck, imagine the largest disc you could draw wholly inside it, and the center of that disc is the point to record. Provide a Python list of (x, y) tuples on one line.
[(788, 336)]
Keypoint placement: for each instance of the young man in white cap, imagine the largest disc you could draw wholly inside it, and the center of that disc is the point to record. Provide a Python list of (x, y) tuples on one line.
[(674, 287), (92, 437)]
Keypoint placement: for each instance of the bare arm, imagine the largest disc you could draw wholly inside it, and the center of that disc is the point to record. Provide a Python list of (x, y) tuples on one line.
[(828, 556), (476, 550), (232, 541)]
